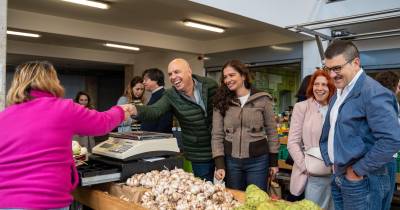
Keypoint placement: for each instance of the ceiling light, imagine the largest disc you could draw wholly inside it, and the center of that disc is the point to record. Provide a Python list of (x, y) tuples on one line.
[(203, 26), (281, 48), (90, 3), (122, 46), (22, 34)]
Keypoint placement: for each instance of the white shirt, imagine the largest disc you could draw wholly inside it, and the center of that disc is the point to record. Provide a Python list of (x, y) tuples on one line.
[(243, 99), (155, 90), (323, 110), (340, 97)]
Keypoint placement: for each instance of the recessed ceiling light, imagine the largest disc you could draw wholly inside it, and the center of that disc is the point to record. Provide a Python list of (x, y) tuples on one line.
[(281, 48), (203, 26), (122, 46), (17, 33), (90, 3)]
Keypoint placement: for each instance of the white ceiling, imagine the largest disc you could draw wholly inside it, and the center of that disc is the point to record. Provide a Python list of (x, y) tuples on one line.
[(152, 25), (77, 42), (14, 60), (161, 16)]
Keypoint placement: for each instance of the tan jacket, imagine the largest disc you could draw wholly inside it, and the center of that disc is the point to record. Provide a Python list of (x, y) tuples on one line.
[(305, 131), (245, 132)]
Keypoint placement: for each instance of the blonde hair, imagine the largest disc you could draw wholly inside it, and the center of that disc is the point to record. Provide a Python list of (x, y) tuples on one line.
[(33, 75)]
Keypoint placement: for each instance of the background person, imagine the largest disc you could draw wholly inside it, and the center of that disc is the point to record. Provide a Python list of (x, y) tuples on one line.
[(301, 94), (305, 131), (391, 81), (84, 99), (243, 137), (153, 81), (133, 94), (37, 168)]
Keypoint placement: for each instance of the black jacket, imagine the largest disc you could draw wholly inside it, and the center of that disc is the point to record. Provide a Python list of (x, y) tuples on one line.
[(164, 124)]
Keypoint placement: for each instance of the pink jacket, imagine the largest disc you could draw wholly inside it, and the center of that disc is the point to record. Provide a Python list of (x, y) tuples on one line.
[(36, 166), (305, 130)]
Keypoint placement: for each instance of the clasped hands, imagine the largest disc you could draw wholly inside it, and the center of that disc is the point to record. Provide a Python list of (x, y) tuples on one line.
[(129, 110)]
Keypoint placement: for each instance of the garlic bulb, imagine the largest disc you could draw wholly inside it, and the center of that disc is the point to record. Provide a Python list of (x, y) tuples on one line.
[(177, 189)]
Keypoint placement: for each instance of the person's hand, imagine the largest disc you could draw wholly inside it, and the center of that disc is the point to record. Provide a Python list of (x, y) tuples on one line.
[(129, 110), (273, 171), (219, 174), (351, 175)]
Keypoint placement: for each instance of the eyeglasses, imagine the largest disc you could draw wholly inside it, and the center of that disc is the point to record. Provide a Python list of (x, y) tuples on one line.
[(337, 68)]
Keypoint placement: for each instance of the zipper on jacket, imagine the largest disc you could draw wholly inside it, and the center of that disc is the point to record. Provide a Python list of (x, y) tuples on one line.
[(205, 113), (241, 129)]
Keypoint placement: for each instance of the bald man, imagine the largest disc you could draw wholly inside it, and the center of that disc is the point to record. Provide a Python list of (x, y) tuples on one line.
[(190, 100)]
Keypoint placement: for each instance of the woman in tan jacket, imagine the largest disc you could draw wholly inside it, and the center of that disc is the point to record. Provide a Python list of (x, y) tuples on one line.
[(309, 173), (244, 143)]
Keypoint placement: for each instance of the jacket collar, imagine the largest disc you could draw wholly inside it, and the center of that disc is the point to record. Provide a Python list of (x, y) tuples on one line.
[(254, 94), (204, 89), (354, 92), (40, 93), (357, 87), (157, 89)]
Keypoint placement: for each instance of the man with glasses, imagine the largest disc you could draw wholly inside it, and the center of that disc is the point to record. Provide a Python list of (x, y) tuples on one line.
[(360, 134)]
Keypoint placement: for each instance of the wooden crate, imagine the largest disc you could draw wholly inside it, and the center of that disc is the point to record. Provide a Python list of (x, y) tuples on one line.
[(398, 178), (97, 199), (283, 165)]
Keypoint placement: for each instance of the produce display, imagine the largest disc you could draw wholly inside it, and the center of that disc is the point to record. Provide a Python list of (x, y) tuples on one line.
[(79, 153), (177, 189), (256, 199)]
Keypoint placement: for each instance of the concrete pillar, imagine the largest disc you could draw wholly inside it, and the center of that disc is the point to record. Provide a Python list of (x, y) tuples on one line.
[(311, 56), (3, 42), (129, 73), (91, 88)]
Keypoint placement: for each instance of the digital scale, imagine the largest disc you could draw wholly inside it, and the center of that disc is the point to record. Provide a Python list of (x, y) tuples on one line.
[(137, 145), (125, 154)]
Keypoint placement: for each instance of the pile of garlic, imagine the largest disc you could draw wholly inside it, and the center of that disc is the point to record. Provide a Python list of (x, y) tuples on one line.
[(180, 190)]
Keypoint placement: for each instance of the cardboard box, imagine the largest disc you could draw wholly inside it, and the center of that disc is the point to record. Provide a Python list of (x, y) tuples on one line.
[(96, 198)]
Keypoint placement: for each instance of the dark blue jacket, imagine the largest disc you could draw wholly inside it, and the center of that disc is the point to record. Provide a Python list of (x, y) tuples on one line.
[(367, 131), (164, 125)]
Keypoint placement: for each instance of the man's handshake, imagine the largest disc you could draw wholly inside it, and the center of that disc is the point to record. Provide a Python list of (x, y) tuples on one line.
[(129, 110)]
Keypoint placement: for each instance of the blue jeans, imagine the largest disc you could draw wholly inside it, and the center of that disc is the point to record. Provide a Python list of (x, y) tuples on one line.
[(373, 192), (242, 172), (318, 189), (204, 170)]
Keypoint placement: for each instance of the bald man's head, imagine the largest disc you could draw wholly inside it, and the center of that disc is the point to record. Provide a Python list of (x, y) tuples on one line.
[(180, 75), (179, 63)]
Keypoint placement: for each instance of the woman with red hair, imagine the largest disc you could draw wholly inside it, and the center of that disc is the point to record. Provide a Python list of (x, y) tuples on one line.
[(309, 174)]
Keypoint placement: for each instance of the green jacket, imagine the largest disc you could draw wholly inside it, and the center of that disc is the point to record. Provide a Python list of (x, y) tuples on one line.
[(196, 124)]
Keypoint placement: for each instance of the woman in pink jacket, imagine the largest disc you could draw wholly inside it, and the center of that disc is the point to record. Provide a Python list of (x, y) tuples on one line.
[(309, 173), (37, 170)]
